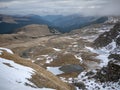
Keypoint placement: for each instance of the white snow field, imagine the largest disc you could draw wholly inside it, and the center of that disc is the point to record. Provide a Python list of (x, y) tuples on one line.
[(14, 76)]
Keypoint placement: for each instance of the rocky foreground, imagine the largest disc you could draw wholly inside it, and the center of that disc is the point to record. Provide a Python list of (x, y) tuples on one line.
[(87, 58)]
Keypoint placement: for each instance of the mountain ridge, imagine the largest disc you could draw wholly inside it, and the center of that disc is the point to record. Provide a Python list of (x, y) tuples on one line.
[(8, 23)]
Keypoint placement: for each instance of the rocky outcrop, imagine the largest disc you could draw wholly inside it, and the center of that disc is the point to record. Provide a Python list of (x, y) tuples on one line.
[(107, 37), (109, 73), (114, 56), (112, 71)]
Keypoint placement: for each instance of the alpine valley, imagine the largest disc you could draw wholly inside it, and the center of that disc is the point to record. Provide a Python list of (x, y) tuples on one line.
[(56, 52)]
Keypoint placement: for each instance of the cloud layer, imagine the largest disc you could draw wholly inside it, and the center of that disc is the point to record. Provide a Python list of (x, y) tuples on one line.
[(65, 7)]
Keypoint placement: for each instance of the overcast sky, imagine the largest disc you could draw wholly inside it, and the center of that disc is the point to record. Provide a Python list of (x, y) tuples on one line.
[(65, 7)]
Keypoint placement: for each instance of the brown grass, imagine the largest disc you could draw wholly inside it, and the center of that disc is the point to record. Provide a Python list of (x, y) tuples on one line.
[(50, 81), (18, 50), (89, 56), (69, 75), (64, 59), (34, 52), (45, 51)]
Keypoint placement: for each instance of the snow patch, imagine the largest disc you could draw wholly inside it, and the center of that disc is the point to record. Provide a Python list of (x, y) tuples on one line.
[(44, 55), (79, 57), (110, 47), (49, 59), (90, 38), (63, 79), (8, 50), (92, 84), (104, 52), (39, 59), (102, 55), (56, 49), (14, 77), (116, 50), (75, 46), (1, 52), (67, 37), (104, 59)]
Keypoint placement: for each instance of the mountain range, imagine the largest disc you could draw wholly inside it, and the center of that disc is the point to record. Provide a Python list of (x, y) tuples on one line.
[(63, 24), (71, 22)]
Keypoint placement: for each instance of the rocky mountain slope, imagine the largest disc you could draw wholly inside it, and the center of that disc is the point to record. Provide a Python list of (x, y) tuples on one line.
[(111, 42), (85, 58)]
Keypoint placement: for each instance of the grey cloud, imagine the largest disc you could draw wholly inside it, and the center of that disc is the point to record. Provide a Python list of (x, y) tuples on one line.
[(6, 0), (85, 7)]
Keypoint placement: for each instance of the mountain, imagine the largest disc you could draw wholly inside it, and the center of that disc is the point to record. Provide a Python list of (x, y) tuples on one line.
[(113, 19), (71, 22), (8, 23), (52, 18)]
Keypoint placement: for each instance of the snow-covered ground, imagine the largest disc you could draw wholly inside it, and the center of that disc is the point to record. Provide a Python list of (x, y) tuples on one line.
[(49, 59), (79, 58), (14, 76), (103, 53), (112, 19), (1, 52), (92, 84), (56, 49), (5, 49)]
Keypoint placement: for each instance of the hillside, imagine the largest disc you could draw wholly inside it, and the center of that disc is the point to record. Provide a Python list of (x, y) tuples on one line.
[(34, 30), (27, 75)]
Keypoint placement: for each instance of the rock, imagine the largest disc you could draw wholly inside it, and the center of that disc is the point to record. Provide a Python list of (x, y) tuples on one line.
[(89, 73), (107, 37), (80, 85), (110, 73), (114, 56), (118, 41)]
